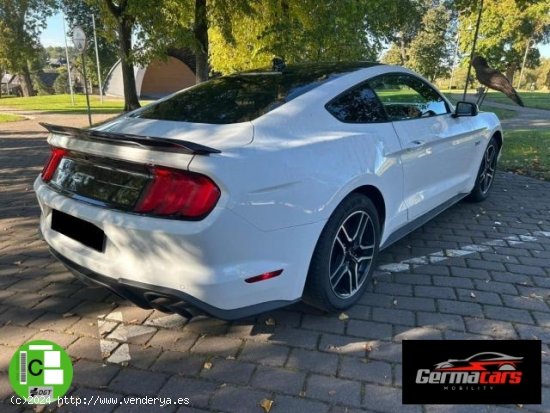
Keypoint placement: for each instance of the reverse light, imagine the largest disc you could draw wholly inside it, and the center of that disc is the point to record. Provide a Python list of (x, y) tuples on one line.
[(264, 276), (172, 192), (53, 162)]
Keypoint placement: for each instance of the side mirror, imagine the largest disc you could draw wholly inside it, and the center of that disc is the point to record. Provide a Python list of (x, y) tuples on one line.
[(465, 109)]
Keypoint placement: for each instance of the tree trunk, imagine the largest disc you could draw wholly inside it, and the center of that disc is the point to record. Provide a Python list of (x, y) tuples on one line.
[(510, 71), (131, 100), (26, 81), (402, 49), (200, 30)]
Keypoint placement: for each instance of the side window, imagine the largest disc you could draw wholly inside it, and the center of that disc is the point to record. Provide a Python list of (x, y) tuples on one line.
[(357, 105), (407, 97)]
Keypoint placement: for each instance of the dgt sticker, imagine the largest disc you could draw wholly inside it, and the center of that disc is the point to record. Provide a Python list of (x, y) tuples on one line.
[(40, 372), (471, 372)]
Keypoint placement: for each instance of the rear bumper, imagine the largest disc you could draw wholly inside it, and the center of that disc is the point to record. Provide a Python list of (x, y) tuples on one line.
[(202, 263), (164, 299)]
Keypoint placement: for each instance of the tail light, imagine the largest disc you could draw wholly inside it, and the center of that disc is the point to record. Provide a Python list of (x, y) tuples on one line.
[(55, 157), (180, 193)]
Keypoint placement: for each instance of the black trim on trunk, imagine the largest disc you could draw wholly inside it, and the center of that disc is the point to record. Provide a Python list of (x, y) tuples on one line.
[(161, 144)]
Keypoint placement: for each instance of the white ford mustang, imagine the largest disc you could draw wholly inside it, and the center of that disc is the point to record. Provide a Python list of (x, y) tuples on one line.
[(253, 191)]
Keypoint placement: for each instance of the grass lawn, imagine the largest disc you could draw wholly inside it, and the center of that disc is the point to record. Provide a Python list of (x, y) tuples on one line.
[(6, 117), (62, 104), (540, 100), (527, 152)]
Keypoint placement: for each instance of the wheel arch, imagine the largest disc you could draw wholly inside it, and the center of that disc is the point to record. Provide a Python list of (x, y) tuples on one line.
[(374, 194), (498, 136)]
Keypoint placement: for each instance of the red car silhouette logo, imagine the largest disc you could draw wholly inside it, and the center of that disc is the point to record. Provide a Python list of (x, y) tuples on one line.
[(481, 362)]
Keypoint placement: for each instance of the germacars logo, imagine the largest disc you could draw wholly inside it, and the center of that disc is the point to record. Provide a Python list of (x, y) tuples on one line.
[(487, 368)]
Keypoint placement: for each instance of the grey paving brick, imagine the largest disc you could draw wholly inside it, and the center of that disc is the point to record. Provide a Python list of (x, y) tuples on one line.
[(385, 351), (486, 265), (334, 390), (416, 333), (434, 292), (14, 336), (441, 321), (481, 297), (393, 289), (394, 316), (414, 303), (175, 362), (199, 391), (138, 382), (366, 370), (508, 277), (498, 329), (375, 300), (350, 346), (238, 399), (314, 361), (496, 287), (264, 353), (279, 380), (460, 308), (530, 332), (496, 257), (525, 302), (413, 279), (94, 374), (386, 399), (507, 314), (294, 337), (166, 340), (229, 371), (217, 346), (470, 273), (369, 329), (453, 282), (286, 404), (542, 318), (324, 324), (525, 269)]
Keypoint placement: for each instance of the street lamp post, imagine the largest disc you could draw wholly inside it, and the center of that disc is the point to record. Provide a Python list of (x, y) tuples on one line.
[(524, 61)]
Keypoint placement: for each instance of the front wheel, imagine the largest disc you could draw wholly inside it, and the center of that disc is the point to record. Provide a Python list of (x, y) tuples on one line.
[(344, 256), (486, 173)]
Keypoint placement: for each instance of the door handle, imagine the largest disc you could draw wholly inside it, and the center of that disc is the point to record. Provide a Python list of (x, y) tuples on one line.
[(418, 142), (415, 145)]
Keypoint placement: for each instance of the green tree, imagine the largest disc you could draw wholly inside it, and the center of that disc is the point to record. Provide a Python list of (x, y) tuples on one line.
[(507, 27), (79, 13), (21, 21), (303, 30), (430, 51)]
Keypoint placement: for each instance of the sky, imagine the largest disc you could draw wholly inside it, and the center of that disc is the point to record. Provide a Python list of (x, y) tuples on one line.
[(53, 35)]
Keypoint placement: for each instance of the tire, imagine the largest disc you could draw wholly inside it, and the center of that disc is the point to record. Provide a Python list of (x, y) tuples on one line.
[(346, 254), (486, 173)]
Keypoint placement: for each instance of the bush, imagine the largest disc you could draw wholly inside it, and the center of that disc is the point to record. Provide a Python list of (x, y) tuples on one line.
[(61, 84)]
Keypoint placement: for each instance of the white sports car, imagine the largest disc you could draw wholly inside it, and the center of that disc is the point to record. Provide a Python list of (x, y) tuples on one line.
[(256, 190)]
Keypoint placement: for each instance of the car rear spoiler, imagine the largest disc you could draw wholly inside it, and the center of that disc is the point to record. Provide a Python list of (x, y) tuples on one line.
[(163, 144)]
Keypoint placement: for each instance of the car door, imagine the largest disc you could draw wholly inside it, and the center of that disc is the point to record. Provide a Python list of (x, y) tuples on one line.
[(435, 145)]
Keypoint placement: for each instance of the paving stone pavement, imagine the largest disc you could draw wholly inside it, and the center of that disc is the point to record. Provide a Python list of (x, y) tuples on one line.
[(478, 271)]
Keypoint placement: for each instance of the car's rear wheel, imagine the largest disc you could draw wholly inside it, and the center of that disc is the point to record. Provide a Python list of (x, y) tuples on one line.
[(344, 256), (486, 173)]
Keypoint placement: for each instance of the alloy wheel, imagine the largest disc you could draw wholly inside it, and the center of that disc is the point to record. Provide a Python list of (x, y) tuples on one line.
[(352, 254), (488, 167)]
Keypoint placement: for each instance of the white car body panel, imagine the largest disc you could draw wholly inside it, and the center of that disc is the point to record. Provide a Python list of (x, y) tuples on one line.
[(280, 180)]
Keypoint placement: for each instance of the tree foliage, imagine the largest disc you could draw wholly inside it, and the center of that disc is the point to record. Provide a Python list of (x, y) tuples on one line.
[(21, 22), (79, 13), (507, 27), (303, 30)]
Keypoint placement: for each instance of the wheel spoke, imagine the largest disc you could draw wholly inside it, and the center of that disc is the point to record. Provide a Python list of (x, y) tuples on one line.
[(358, 236), (366, 247), (340, 269), (345, 232)]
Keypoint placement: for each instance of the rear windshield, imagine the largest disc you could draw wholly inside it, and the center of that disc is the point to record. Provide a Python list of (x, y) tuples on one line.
[(245, 96)]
